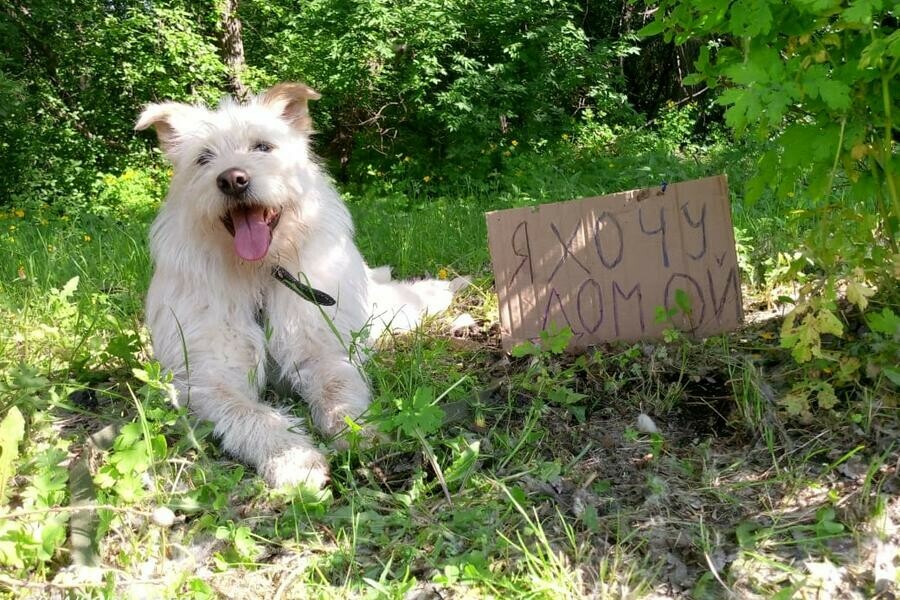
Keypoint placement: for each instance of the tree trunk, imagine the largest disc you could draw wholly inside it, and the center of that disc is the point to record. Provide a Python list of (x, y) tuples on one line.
[(233, 49)]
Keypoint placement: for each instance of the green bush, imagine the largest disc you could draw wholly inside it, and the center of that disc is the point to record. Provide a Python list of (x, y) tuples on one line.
[(75, 75), (817, 82), (438, 80), (817, 78)]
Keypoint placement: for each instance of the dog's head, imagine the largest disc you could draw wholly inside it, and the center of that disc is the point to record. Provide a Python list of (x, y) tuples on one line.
[(237, 168)]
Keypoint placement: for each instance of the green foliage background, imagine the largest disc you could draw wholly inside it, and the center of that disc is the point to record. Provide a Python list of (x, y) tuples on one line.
[(434, 78)]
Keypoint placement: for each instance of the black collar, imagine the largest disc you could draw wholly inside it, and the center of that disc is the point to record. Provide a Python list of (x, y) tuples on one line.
[(307, 292)]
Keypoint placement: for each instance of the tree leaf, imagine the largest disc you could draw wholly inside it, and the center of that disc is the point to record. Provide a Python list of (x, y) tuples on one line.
[(750, 18), (650, 29), (825, 397), (836, 94), (859, 294), (829, 323), (886, 322), (859, 11)]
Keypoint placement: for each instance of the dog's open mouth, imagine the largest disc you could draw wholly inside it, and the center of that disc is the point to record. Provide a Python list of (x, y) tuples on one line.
[(252, 228)]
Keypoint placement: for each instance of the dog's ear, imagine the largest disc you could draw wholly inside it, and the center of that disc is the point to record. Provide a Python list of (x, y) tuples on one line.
[(291, 102), (165, 118)]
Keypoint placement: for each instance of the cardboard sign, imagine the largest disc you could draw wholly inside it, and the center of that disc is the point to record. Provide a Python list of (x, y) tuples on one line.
[(604, 265)]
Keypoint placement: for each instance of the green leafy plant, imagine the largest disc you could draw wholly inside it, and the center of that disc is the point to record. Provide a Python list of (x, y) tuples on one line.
[(548, 377), (141, 445), (12, 430), (884, 338), (34, 533), (817, 83), (242, 547), (419, 415), (817, 78)]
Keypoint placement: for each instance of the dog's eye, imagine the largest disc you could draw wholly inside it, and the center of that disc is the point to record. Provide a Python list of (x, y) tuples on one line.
[(205, 157), (263, 147)]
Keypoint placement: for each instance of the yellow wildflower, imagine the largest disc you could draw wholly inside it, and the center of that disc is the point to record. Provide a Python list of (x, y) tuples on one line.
[(565, 136), (427, 178), (442, 273), (20, 213), (514, 143), (87, 238)]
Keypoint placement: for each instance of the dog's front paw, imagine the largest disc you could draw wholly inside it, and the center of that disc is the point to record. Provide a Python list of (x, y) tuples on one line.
[(295, 466)]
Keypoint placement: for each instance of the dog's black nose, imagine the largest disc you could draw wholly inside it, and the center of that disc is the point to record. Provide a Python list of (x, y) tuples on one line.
[(233, 181)]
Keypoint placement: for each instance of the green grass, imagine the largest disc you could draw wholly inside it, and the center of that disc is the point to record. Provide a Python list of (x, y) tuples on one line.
[(501, 490)]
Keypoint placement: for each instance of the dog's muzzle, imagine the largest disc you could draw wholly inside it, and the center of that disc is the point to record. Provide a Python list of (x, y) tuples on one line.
[(249, 223)]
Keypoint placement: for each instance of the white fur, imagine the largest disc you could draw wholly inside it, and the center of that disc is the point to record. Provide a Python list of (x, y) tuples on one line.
[(205, 304)]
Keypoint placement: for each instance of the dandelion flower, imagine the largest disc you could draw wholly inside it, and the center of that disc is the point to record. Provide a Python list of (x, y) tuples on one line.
[(442, 273)]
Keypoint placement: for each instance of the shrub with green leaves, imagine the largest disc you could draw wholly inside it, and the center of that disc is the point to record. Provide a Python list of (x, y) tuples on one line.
[(816, 81), (437, 78), (75, 74), (816, 77)]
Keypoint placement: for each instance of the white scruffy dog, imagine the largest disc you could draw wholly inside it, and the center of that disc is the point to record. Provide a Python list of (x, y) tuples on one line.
[(247, 196)]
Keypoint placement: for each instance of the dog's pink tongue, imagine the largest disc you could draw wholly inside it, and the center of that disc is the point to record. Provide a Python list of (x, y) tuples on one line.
[(251, 233)]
